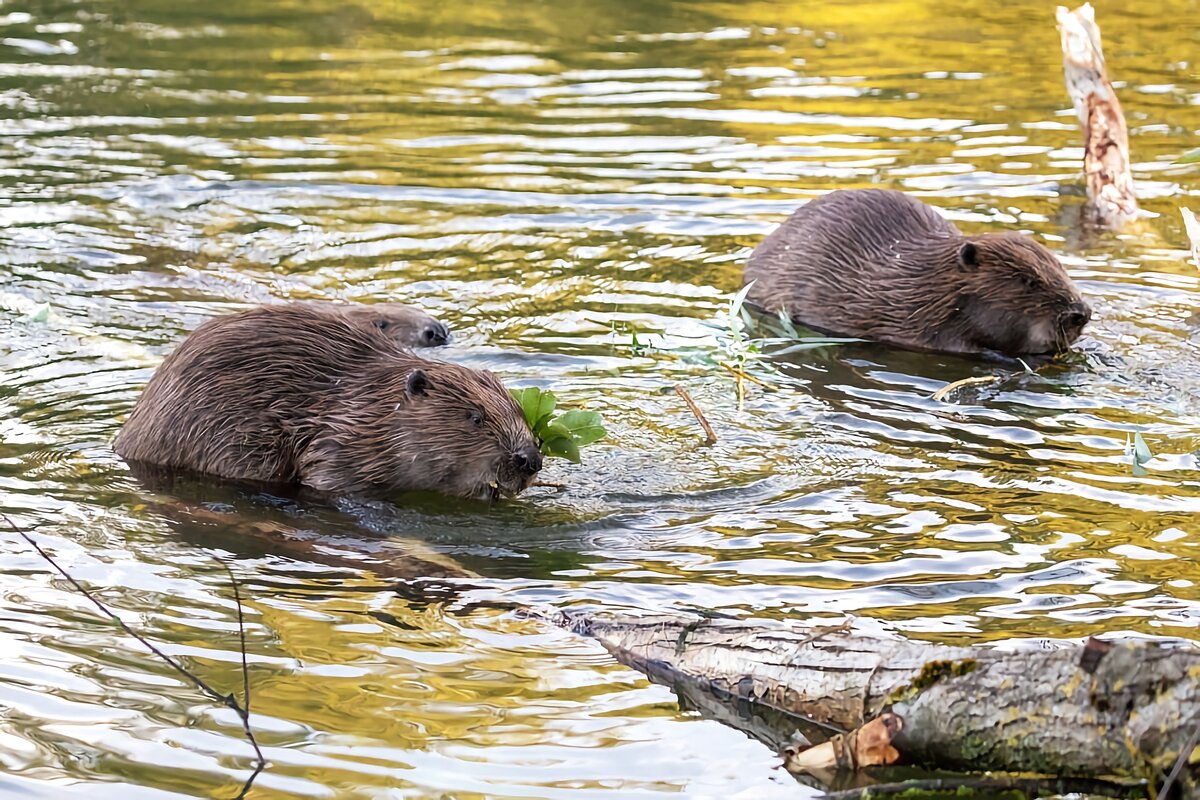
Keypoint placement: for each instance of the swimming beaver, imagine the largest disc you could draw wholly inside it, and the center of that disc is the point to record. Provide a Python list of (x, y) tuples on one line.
[(881, 265), (302, 393), (409, 326)]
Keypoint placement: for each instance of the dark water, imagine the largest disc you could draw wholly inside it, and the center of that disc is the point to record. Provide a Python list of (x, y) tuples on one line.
[(549, 178)]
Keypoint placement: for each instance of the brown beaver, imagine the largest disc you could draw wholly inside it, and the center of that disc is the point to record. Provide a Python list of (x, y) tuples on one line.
[(409, 326), (303, 393), (878, 264)]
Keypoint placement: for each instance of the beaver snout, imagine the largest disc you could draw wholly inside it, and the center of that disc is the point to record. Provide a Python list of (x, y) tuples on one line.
[(434, 334), (528, 461), (1076, 316)]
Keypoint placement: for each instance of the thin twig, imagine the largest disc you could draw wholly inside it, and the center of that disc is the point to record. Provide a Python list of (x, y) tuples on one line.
[(228, 700), (244, 711), (1184, 754), (741, 374), (687, 398), (943, 392)]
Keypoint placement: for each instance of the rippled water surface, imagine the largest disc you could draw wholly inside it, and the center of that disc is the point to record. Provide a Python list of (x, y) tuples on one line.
[(550, 178)]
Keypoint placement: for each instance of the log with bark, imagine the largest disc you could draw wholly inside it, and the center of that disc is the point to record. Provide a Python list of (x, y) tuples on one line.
[(1126, 709), (1111, 198)]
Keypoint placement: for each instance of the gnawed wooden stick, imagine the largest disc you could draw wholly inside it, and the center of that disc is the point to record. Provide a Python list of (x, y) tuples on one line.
[(1105, 137), (944, 392), (868, 746), (709, 433)]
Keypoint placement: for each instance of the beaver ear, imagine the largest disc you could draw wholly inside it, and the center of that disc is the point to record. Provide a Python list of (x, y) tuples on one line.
[(417, 383), (968, 255)]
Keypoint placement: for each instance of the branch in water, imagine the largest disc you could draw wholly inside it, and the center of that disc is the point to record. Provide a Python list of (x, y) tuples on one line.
[(687, 398), (228, 700)]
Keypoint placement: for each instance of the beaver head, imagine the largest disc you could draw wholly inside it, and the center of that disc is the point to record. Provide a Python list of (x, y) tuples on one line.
[(1013, 296), (412, 424), (404, 324)]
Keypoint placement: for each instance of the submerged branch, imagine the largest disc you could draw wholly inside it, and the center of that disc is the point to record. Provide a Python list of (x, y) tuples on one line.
[(228, 700)]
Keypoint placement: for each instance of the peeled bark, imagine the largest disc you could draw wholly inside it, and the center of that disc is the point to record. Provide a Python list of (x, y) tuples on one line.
[(1106, 139), (1125, 709)]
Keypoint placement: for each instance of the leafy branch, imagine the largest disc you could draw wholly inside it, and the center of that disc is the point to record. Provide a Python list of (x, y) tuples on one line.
[(560, 436)]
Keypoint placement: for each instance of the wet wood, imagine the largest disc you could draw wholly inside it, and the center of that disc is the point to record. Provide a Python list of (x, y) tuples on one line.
[(868, 746), (710, 436), (1110, 188), (1123, 709)]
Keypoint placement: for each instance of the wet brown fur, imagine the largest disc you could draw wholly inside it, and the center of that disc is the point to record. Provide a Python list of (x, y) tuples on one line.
[(302, 393), (407, 325), (878, 264)]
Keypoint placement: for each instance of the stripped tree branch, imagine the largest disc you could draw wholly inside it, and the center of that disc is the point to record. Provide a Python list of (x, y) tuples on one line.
[(1106, 139)]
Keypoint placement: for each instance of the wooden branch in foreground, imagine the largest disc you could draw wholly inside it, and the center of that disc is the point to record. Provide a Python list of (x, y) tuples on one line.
[(1125, 709), (1106, 139)]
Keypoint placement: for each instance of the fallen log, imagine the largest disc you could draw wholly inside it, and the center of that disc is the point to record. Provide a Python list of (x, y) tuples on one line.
[(1111, 197), (1125, 709)]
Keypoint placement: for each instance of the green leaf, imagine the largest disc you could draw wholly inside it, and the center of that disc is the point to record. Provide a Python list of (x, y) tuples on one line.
[(785, 321), (535, 404), (739, 299), (1190, 157), (39, 314), (585, 426), (563, 447), (539, 427), (554, 430), (1141, 451), (561, 437)]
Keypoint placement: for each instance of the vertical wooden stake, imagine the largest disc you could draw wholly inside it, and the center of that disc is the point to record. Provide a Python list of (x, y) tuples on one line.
[(1106, 139)]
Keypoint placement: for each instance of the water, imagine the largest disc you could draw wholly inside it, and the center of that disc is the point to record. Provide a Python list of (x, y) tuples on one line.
[(548, 178)]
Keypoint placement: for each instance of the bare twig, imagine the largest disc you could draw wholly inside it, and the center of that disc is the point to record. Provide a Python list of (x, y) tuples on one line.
[(945, 391), (687, 398), (227, 700), (244, 711), (1184, 754), (742, 375)]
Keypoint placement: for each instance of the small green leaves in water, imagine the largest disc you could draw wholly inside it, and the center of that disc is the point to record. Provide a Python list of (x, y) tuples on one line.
[(1139, 453), (562, 436)]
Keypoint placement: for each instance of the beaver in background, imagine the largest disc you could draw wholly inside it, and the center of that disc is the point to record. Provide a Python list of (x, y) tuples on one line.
[(878, 264), (408, 325), (318, 395)]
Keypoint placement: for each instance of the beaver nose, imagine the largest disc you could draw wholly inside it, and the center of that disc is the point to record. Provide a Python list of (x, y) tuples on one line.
[(1077, 315), (528, 460), (435, 333)]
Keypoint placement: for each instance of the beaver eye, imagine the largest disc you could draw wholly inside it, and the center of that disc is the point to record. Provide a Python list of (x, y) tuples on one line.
[(476, 418), (382, 324)]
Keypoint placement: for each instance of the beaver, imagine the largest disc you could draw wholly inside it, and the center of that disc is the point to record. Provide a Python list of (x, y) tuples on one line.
[(306, 394), (880, 265), (409, 326)]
